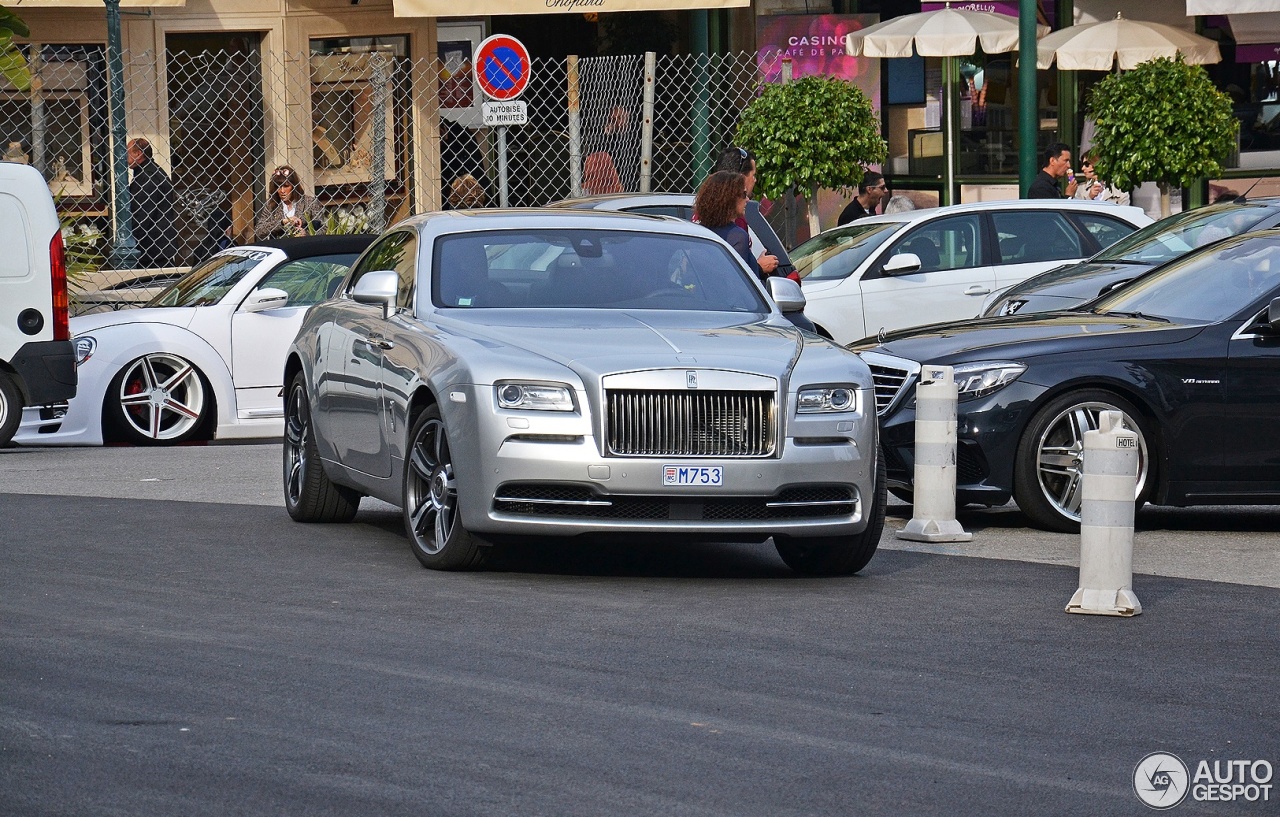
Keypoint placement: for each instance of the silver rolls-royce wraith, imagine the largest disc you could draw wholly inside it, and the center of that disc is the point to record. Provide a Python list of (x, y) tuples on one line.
[(558, 373)]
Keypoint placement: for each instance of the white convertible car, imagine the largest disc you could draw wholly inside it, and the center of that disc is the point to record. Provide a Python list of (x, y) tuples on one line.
[(205, 358)]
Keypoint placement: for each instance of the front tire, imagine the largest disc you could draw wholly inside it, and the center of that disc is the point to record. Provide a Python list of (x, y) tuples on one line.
[(431, 514), (10, 408), (839, 556), (309, 494), (158, 399), (1047, 477)]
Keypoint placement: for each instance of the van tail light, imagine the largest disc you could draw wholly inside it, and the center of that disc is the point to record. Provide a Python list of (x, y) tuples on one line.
[(61, 305)]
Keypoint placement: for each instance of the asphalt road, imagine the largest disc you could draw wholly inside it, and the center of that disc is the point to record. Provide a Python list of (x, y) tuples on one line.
[(174, 644)]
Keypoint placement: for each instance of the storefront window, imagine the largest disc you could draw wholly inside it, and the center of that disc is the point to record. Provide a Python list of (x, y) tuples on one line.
[(50, 128), (987, 104), (354, 80)]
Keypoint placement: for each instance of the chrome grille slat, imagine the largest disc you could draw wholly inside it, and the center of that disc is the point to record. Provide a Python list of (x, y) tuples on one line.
[(889, 382), (691, 423)]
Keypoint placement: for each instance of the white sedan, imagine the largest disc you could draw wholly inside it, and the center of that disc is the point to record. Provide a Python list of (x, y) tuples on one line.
[(205, 358), (894, 271)]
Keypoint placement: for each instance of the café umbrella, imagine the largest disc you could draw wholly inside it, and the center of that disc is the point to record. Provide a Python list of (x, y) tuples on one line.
[(947, 33), (1122, 43)]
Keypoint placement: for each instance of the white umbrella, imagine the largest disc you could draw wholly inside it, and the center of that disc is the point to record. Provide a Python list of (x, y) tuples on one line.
[(1099, 46), (946, 33)]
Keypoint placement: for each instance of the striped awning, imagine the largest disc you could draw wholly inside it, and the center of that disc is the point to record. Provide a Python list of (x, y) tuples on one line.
[(477, 8)]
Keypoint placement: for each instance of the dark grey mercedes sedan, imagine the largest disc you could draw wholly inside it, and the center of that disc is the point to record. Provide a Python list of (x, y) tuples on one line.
[(520, 373)]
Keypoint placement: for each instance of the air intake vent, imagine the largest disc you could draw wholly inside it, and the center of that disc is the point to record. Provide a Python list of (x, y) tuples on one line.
[(889, 382)]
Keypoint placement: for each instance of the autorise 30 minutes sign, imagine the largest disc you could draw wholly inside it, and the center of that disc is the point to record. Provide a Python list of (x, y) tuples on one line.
[(502, 69)]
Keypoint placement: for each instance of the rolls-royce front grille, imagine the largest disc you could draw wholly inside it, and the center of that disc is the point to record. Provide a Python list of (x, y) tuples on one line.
[(691, 423), (889, 382)]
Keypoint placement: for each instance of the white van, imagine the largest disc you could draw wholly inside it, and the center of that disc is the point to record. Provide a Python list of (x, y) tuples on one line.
[(37, 358)]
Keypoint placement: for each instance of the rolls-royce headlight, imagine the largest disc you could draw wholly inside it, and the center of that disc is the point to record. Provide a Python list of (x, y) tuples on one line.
[(85, 347), (534, 397), (827, 400), (980, 379)]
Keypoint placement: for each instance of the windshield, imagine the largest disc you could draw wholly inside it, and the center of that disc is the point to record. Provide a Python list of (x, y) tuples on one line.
[(837, 253), (1170, 237), (1204, 287), (598, 269), (208, 283)]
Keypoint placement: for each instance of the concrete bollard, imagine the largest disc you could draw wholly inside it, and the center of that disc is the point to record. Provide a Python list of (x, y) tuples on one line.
[(1110, 474), (934, 489)]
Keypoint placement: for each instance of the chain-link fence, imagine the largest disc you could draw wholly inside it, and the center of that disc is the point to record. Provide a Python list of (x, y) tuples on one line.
[(371, 136)]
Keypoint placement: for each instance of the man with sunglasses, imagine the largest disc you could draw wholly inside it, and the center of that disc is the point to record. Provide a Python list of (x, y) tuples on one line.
[(871, 191)]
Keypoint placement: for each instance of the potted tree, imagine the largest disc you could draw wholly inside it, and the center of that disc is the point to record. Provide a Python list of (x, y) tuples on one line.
[(811, 133), (1162, 122)]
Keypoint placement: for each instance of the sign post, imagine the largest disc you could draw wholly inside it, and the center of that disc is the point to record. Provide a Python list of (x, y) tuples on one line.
[(502, 70)]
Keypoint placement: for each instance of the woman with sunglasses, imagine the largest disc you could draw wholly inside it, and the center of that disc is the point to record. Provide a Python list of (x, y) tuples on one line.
[(290, 212), (721, 201), (1092, 188)]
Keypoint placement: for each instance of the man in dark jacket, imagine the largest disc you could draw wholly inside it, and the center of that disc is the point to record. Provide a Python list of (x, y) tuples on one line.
[(151, 205), (1057, 163), (871, 192)]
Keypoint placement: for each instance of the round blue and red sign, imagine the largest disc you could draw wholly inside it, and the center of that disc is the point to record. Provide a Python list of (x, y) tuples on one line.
[(502, 67)]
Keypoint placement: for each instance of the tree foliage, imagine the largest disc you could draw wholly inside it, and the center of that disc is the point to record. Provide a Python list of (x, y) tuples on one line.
[(1162, 122), (810, 133), (13, 66)]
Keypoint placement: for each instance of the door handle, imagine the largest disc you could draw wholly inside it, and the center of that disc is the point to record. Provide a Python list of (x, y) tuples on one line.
[(379, 342), (977, 289)]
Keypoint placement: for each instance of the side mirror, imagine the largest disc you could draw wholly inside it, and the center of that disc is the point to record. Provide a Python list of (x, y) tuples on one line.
[(902, 263), (378, 287), (786, 293), (263, 299), (1273, 314)]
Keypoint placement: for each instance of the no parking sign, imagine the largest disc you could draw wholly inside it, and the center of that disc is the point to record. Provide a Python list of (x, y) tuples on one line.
[(502, 67)]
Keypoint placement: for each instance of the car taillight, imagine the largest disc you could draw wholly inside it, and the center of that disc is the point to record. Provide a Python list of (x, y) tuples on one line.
[(61, 307)]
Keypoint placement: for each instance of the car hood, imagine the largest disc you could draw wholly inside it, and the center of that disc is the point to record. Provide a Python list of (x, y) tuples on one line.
[(1082, 281), (597, 342), (173, 315), (1019, 337)]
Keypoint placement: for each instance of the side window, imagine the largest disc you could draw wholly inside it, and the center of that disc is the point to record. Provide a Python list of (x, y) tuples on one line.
[(399, 252), (1040, 235), (309, 280), (945, 244), (15, 261), (1104, 229)]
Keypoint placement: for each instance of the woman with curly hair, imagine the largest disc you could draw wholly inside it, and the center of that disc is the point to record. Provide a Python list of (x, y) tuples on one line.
[(290, 212), (721, 201)]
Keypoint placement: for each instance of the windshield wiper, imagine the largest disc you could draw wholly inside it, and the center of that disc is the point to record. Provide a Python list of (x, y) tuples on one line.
[(1139, 315)]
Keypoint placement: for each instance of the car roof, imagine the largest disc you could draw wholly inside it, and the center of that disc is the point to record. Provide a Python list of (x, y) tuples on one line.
[(553, 217), (313, 245), (1006, 204), (607, 200)]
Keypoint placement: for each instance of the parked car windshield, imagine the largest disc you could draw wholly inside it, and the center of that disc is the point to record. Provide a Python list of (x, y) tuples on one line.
[(1171, 237), (837, 253), (1205, 287), (208, 283), (599, 269)]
